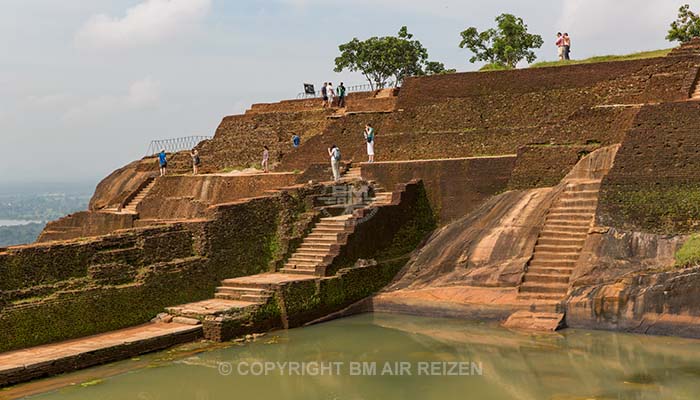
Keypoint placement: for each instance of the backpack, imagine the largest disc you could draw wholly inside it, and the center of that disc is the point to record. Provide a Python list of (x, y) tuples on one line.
[(336, 155)]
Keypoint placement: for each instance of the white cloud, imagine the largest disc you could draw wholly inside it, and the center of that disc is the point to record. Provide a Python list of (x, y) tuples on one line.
[(149, 22), (142, 94)]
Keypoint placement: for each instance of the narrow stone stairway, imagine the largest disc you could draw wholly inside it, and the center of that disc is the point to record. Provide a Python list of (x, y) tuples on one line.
[(560, 242), (130, 207), (696, 90)]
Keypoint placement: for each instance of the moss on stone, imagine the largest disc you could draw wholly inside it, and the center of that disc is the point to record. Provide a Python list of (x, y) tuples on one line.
[(689, 253)]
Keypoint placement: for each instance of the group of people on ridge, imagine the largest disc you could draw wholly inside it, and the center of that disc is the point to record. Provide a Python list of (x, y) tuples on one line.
[(328, 94), (563, 46), (334, 151)]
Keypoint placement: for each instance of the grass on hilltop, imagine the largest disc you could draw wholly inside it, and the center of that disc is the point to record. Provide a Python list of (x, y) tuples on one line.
[(598, 59)]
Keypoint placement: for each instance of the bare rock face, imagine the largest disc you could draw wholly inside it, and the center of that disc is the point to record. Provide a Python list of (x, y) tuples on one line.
[(490, 247), (115, 188), (610, 255)]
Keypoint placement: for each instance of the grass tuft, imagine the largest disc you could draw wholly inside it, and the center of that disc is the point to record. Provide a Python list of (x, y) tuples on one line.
[(689, 253)]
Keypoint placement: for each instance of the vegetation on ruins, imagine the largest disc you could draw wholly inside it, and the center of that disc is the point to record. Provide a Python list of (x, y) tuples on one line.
[(689, 253), (608, 58), (505, 46), (380, 59), (685, 27)]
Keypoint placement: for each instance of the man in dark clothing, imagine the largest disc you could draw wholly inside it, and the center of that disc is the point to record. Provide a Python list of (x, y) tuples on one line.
[(324, 94), (341, 95)]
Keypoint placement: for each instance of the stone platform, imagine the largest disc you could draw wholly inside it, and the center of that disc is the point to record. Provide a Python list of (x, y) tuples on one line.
[(35, 362)]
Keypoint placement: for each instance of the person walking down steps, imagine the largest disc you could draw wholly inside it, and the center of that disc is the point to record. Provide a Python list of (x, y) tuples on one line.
[(195, 161), (163, 162), (334, 152), (266, 159), (369, 137)]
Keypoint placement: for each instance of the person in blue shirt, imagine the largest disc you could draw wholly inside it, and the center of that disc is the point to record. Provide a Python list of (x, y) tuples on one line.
[(296, 141), (163, 162)]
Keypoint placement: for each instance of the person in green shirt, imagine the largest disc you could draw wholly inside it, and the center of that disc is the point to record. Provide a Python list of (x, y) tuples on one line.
[(341, 95)]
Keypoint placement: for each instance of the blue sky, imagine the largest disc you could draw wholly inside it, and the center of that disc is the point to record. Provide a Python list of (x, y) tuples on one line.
[(87, 84)]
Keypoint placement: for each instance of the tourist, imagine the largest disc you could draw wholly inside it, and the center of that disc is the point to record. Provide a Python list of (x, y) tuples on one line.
[(341, 95), (195, 161), (266, 159), (296, 141), (163, 161), (560, 46), (369, 137), (324, 94), (330, 93), (334, 152), (567, 46)]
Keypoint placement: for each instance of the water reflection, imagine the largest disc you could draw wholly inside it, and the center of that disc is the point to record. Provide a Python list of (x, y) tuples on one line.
[(571, 365)]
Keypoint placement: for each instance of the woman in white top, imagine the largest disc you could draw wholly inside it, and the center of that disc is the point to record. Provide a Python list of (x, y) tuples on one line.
[(331, 93), (369, 137)]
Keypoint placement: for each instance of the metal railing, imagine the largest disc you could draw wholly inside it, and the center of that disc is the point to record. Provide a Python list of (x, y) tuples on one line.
[(175, 144), (366, 87)]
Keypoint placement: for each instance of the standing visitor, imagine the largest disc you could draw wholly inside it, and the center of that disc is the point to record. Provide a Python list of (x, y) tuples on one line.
[(163, 161), (331, 93), (567, 46), (334, 152), (324, 94), (369, 137), (341, 95), (195, 161), (266, 159), (560, 46), (296, 141)]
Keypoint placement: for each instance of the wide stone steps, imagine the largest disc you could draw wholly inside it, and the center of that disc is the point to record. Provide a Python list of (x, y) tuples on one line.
[(536, 287), (212, 307), (300, 271), (559, 245), (554, 270), (570, 234), (547, 278), (555, 256), (556, 248), (552, 263)]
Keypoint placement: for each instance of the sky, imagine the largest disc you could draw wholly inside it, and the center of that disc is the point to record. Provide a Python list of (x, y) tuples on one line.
[(86, 85)]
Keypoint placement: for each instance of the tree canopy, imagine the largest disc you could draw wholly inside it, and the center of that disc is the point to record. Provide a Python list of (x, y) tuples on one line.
[(685, 27), (506, 45), (380, 59)]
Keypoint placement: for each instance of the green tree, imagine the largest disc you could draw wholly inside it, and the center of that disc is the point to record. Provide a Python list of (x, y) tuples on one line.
[(381, 58), (506, 45), (437, 68), (685, 27)]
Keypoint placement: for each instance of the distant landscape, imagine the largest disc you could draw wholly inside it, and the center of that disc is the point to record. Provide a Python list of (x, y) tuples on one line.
[(25, 208)]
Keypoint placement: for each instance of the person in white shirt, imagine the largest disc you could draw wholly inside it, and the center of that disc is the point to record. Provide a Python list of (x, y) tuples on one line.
[(334, 152), (331, 94)]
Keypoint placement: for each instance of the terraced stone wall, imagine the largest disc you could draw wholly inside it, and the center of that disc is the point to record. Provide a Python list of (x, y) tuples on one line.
[(58, 291), (539, 166), (654, 185), (455, 187)]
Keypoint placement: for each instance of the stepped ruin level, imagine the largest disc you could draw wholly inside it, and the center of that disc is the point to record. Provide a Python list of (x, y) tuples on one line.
[(542, 198)]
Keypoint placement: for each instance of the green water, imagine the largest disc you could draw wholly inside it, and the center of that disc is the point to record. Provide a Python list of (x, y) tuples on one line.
[(500, 364)]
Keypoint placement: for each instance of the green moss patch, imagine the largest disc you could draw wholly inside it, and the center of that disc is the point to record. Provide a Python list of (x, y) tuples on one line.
[(689, 254)]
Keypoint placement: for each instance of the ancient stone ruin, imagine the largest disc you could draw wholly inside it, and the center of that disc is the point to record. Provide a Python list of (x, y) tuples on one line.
[(541, 198)]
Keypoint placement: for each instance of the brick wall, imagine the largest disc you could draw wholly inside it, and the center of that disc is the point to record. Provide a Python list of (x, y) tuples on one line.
[(545, 166), (455, 187), (654, 185)]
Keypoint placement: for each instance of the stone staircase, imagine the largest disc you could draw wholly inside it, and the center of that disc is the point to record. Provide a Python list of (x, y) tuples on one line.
[(329, 235), (560, 242), (130, 207)]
